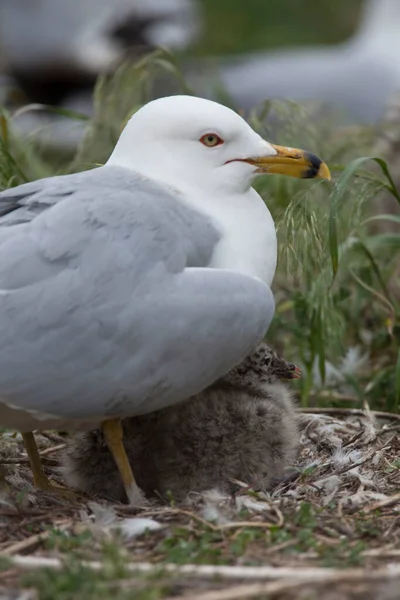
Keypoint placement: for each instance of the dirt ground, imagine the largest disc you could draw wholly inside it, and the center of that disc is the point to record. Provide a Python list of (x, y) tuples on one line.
[(332, 530)]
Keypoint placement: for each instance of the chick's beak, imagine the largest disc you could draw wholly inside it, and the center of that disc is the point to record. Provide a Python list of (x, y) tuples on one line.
[(296, 373), (292, 162)]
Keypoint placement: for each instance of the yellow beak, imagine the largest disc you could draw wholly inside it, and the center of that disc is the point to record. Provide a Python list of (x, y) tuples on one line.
[(292, 162)]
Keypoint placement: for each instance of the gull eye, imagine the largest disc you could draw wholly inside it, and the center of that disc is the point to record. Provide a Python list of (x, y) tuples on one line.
[(211, 140)]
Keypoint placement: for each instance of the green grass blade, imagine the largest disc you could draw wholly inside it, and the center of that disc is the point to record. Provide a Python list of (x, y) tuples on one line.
[(375, 268), (352, 169), (11, 161), (57, 110), (384, 239), (390, 218), (392, 188), (397, 382), (333, 239), (339, 192)]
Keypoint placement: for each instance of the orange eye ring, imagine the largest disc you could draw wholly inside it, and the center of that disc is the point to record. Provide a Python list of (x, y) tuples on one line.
[(211, 140)]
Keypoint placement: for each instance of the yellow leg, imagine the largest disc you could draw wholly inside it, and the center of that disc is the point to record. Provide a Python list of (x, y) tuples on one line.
[(40, 479), (113, 434)]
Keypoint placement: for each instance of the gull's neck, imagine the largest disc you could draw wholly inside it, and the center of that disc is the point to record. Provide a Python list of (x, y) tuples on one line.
[(248, 243)]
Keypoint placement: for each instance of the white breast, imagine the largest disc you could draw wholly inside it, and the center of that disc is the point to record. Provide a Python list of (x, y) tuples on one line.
[(249, 243)]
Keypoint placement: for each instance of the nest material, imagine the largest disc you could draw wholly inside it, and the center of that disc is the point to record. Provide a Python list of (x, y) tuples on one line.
[(341, 502)]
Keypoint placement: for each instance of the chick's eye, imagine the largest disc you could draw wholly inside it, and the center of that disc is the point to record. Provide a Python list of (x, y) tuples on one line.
[(211, 140)]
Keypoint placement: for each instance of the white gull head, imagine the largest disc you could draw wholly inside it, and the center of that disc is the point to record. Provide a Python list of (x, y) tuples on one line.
[(209, 156)]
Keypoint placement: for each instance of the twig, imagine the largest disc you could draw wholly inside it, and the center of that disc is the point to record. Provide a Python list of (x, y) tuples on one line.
[(214, 526), (26, 543), (390, 571), (388, 429), (354, 465), (279, 514), (35, 539), (355, 437), (52, 449), (391, 528), (53, 437), (388, 502), (372, 553), (177, 511), (240, 524), (281, 546), (350, 411), (240, 592)]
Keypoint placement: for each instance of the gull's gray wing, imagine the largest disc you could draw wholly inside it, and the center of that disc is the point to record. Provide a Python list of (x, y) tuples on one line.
[(107, 306), (186, 231)]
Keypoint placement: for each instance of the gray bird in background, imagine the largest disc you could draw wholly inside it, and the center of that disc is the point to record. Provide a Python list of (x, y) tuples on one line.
[(359, 76), (55, 51), (55, 48)]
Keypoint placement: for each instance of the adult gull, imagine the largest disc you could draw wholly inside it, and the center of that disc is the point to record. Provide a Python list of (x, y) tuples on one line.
[(132, 286), (55, 49), (360, 75)]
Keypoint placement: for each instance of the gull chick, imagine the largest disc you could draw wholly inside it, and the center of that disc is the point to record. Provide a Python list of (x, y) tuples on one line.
[(242, 427)]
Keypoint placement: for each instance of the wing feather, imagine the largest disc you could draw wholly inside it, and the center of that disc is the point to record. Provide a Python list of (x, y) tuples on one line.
[(107, 307)]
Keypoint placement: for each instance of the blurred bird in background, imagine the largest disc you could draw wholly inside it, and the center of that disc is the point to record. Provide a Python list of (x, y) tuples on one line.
[(358, 76), (52, 51)]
